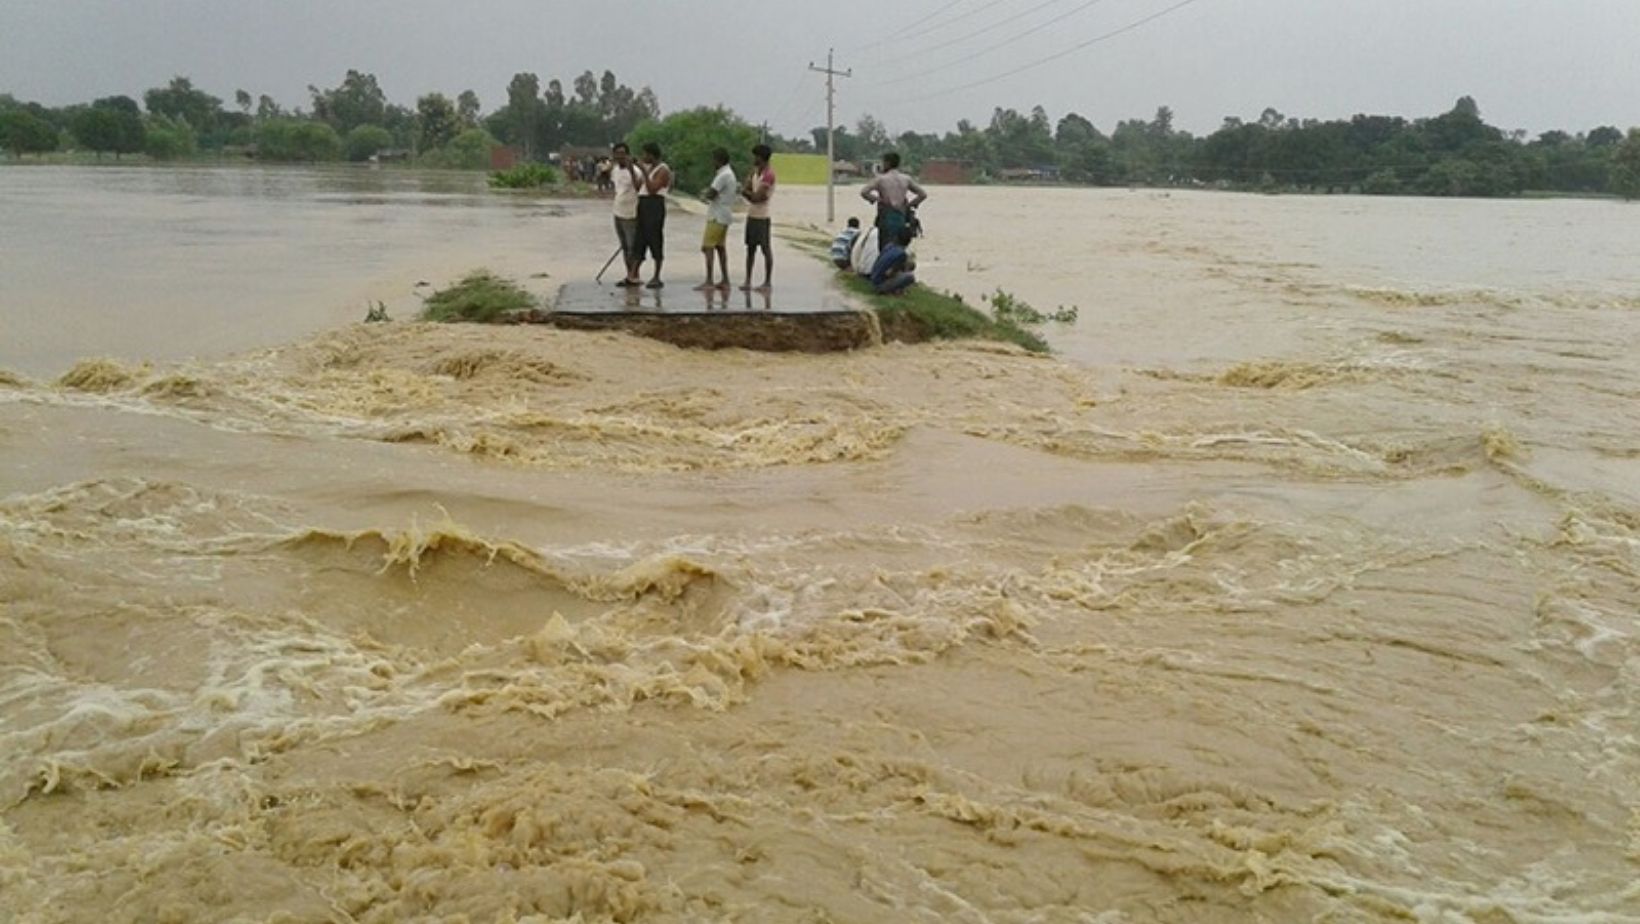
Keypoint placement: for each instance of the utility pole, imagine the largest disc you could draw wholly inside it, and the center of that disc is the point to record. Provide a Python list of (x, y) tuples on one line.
[(831, 73)]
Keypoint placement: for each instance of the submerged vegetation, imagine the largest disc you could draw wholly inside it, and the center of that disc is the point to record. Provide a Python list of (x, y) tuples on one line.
[(481, 297), (1008, 308), (524, 176)]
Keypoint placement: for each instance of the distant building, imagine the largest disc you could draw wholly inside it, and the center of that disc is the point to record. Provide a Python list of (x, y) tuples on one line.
[(947, 172), (1040, 174), (506, 157)]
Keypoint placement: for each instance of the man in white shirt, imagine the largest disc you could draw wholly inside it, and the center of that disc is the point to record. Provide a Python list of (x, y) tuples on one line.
[(720, 214), (627, 182)]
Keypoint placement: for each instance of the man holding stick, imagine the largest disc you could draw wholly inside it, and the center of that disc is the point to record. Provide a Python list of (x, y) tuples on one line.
[(627, 182)]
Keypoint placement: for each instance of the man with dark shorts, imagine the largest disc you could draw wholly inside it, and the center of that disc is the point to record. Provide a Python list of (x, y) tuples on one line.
[(657, 183), (626, 181), (759, 189)]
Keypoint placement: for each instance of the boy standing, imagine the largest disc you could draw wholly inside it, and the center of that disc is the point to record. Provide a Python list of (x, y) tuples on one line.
[(720, 214), (758, 191)]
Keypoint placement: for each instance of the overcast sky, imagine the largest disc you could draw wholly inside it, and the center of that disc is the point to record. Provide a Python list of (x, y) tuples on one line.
[(1533, 64)]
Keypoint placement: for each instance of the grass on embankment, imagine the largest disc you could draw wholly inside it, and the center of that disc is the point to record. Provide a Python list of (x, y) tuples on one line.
[(480, 297), (921, 313)]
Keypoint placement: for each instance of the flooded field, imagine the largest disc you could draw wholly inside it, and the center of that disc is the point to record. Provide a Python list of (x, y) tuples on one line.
[(1301, 584)]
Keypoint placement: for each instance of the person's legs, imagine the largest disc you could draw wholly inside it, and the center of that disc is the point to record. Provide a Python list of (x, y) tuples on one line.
[(723, 262), (626, 232), (657, 240), (768, 265), (758, 233), (649, 235), (896, 284), (712, 244)]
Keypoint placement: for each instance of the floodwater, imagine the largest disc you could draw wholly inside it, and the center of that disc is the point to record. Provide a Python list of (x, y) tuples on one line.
[(1301, 585)]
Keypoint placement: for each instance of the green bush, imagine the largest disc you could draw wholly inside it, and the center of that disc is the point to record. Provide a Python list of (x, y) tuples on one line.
[(524, 176), (366, 141), (1382, 183), (480, 297), (166, 138), (469, 150), (297, 141)]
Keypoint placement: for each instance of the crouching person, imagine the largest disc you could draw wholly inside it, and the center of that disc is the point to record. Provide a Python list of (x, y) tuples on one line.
[(892, 273)]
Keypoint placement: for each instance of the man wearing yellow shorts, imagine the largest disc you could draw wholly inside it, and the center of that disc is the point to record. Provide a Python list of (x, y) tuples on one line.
[(720, 214)]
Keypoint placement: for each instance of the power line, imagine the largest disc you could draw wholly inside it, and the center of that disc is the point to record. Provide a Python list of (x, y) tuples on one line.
[(992, 27), (791, 98), (1002, 44), (894, 35), (1057, 55)]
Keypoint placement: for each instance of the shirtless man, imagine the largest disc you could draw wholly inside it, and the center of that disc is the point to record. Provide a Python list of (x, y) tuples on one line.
[(895, 195), (759, 189)]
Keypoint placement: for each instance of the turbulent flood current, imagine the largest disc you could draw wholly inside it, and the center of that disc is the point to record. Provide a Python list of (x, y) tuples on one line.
[(1300, 584)]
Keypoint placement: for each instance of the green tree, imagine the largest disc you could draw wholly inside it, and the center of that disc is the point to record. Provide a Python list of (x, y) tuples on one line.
[(112, 124), (1604, 137), (687, 139), (181, 101), (267, 109), (1074, 130), (366, 141), (468, 109), (1087, 162), (167, 138), (23, 132), (436, 122), (357, 100), (243, 100), (401, 122), (874, 138), (523, 119), (1625, 169)]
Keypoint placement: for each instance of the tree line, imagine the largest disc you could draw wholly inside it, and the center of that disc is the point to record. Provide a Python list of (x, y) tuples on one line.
[(1456, 153), (1453, 154), (353, 120)]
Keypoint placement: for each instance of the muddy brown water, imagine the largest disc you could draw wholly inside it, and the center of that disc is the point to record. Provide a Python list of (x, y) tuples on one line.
[(1300, 585)]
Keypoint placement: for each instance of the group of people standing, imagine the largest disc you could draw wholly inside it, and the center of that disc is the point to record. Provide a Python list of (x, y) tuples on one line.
[(641, 186), (587, 170)]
